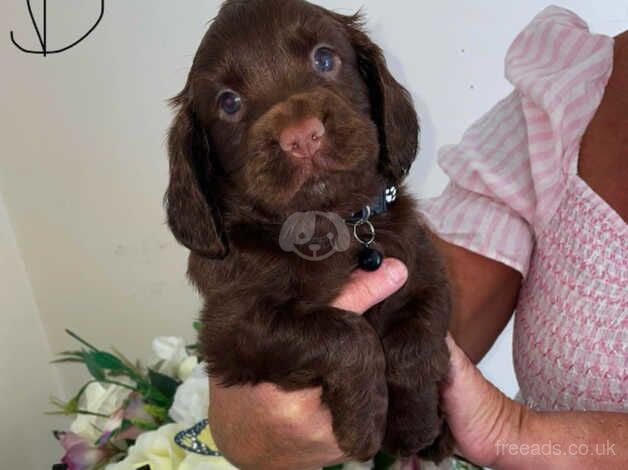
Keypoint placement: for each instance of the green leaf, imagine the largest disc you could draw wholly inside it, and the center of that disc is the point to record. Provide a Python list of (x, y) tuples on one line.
[(65, 409), (334, 467), (70, 356), (118, 373), (94, 368), (127, 362), (121, 384), (157, 412), (81, 340), (197, 325), (383, 461), (153, 396), (67, 359), (144, 425), (77, 353), (165, 384), (72, 406), (107, 361), (91, 413)]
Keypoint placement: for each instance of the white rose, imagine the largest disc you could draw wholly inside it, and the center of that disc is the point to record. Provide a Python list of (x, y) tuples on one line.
[(186, 368), (155, 448), (170, 352), (191, 401), (158, 449), (101, 399)]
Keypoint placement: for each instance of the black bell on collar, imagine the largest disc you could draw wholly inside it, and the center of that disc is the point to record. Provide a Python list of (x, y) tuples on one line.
[(369, 259)]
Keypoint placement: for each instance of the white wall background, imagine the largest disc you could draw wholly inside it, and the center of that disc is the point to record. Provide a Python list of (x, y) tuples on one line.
[(83, 244), (26, 380)]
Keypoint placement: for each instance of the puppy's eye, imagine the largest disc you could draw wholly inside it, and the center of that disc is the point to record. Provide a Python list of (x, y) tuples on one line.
[(324, 59), (230, 103)]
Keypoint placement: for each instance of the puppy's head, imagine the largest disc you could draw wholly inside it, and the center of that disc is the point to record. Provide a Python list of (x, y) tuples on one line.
[(288, 107)]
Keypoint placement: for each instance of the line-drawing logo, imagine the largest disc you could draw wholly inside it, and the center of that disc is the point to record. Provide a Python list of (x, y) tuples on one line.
[(42, 34)]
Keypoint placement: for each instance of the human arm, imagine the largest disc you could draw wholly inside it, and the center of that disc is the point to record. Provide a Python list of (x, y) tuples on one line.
[(484, 294), (492, 430), (495, 431)]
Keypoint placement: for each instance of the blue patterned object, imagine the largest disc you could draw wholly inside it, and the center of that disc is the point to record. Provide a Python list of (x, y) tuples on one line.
[(189, 439)]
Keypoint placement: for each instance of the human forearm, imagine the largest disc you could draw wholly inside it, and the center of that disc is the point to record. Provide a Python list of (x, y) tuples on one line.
[(497, 432), (484, 294), (566, 440)]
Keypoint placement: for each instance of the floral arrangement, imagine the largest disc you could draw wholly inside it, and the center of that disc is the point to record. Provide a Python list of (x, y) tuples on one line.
[(126, 413), (133, 417)]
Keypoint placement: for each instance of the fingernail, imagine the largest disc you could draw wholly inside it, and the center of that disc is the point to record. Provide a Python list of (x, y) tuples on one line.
[(396, 271)]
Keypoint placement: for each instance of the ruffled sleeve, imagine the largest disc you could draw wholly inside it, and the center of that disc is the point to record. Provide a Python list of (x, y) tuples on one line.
[(508, 173)]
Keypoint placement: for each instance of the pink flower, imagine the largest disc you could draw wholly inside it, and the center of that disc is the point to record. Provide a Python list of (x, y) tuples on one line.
[(79, 454), (111, 425), (134, 411)]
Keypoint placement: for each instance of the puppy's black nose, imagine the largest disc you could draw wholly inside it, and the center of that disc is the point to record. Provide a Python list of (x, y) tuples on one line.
[(303, 139)]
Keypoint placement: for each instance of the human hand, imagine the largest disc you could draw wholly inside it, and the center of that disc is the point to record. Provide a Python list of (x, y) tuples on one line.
[(478, 414), (264, 427)]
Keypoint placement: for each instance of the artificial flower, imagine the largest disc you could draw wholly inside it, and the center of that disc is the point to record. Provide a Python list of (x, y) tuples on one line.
[(79, 453), (191, 401), (155, 448), (170, 352), (100, 399), (133, 416), (186, 368), (111, 425), (135, 410)]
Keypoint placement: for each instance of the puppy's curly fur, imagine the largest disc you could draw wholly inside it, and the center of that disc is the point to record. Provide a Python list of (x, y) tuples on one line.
[(266, 315)]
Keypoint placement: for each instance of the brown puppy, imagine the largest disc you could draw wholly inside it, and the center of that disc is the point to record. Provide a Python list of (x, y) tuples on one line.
[(290, 108)]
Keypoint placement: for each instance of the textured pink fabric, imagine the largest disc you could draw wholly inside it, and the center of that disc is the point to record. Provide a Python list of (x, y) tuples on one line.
[(571, 327), (515, 197)]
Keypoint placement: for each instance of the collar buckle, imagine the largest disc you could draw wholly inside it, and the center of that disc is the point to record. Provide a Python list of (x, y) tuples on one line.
[(378, 206)]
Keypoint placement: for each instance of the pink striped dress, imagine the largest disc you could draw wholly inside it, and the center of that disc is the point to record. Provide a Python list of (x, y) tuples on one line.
[(515, 197)]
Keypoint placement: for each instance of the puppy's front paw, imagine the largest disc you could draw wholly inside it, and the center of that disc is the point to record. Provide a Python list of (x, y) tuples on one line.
[(358, 407), (356, 393), (441, 448), (416, 367), (412, 426)]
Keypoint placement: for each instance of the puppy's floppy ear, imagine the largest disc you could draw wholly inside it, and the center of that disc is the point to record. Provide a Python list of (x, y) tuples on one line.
[(391, 104), (192, 213)]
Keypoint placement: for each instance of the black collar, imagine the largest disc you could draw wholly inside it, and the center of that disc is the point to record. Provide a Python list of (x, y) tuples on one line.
[(379, 205)]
